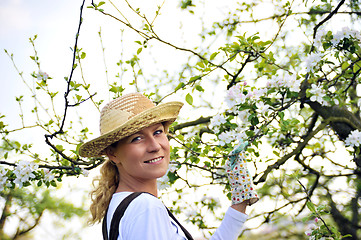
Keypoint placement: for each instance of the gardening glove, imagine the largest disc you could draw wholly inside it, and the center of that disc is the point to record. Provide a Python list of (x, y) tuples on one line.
[(241, 182)]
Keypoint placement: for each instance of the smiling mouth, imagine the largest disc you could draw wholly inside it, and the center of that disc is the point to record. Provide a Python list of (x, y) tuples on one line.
[(154, 160)]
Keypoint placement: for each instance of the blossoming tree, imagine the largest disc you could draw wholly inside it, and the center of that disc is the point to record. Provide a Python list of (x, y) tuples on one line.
[(286, 80)]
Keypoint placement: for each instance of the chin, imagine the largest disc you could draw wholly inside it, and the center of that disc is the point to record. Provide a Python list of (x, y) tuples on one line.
[(163, 173)]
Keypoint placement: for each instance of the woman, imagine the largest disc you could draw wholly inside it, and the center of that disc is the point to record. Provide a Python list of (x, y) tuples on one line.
[(133, 137)]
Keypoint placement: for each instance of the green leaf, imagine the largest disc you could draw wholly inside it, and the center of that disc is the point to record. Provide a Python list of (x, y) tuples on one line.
[(189, 99), (311, 206), (180, 85), (344, 65), (101, 3), (53, 183), (82, 55), (213, 55), (139, 50), (201, 64), (194, 78), (199, 88), (78, 97)]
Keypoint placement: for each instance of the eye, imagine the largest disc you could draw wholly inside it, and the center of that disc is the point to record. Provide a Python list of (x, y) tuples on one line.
[(136, 139), (158, 132)]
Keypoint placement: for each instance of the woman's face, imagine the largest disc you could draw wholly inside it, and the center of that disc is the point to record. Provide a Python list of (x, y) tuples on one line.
[(144, 155)]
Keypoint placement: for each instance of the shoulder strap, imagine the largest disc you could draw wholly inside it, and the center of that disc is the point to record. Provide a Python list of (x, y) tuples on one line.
[(118, 214), (188, 235)]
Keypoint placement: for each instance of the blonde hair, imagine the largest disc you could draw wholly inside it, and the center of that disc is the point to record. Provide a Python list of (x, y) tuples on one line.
[(101, 195)]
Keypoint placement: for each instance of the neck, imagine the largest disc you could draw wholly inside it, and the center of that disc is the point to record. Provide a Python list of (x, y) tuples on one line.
[(141, 186)]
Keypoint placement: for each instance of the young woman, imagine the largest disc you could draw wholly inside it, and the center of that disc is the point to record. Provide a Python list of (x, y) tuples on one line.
[(133, 137)]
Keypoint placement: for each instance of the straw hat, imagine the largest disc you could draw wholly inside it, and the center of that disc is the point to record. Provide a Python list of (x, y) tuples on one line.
[(125, 116)]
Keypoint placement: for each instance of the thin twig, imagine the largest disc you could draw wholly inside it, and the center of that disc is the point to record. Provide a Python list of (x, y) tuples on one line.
[(327, 18)]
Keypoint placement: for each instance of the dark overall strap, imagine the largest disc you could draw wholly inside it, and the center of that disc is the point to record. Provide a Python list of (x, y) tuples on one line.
[(188, 235), (118, 214)]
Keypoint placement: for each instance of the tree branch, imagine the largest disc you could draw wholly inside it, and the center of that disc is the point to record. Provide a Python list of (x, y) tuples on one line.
[(300, 146), (327, 18)]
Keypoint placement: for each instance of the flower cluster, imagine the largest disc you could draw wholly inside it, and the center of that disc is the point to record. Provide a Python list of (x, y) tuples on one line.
[(235, 96), (317, 94), (216, 121), (3, 178), (48, 176), (42, 76), (85, 172), (310, 228), (353, 139), (190, 214), (337, 37), (314, 232), (288, 81), (24, 172), (230, 136), (312, 60), (163, 182), (247, 105)]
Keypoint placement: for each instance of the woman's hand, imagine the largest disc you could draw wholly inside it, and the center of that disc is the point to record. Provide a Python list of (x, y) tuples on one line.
[(241, 182)]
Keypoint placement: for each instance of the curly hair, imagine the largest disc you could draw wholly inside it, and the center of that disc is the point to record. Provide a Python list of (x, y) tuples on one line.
[(103, 191)]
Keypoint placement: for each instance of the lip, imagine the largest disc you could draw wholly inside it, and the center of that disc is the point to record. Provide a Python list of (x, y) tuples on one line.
[(156, 160)]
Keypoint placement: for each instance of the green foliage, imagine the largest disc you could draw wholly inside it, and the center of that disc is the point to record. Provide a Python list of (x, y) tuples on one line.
[(28, 205), (286, 80)]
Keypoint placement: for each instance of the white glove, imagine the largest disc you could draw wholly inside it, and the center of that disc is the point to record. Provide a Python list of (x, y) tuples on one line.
[(241, 182)]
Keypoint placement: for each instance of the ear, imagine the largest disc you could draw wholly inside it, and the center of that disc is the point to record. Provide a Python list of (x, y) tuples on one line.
[(109, 151)]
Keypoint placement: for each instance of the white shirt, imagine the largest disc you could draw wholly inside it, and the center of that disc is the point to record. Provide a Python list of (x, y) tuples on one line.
[(146, 218)]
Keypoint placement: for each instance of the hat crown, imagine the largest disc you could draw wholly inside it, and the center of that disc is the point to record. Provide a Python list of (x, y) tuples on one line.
[(121, 109)]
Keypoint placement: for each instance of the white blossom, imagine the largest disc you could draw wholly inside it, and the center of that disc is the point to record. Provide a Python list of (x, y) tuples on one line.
[(24, 172), (243, 116), (48, 176), (190, 214), (262, 108), (209, 199), (354, 139), (235, 96), (312, 60), (289, 81), (42, 76), (310, 228), (172, 168), (319, 36), (225, 137), (192, 134), (230, 136), (292, 82), (163, 182), (85, 172), (3, 178), (345, 32), (275, 81), (317, 94), (256, 94), (216, 121), (337, 37)]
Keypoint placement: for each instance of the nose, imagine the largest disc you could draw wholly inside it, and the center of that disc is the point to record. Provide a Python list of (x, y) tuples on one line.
[(153, 144)]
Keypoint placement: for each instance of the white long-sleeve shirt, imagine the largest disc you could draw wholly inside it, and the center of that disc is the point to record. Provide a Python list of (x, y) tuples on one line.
[(146, 218)]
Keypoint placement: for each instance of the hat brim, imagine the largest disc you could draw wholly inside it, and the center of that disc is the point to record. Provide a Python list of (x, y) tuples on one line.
[(166, 112)]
